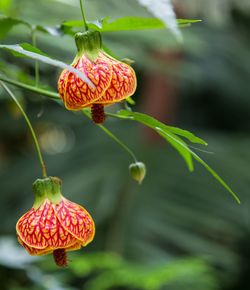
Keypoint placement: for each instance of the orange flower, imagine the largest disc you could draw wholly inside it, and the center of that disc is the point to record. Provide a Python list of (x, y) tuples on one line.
[(54, 224), (113, 80)]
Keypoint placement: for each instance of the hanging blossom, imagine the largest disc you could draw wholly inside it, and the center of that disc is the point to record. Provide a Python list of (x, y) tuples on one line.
[(113, 80), (54, 224)]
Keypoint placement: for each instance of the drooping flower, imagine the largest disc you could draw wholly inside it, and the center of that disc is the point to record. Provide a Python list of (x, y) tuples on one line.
[(113, 80), (54, 224)]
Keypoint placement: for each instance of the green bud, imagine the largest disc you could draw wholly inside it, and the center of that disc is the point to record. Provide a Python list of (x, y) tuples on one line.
[(137, 171)]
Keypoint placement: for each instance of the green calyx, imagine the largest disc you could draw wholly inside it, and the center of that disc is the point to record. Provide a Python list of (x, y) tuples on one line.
[(89, 43), (47, 188)]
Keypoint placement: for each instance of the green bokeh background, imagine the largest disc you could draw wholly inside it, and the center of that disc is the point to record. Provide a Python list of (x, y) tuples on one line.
[(178, 230)]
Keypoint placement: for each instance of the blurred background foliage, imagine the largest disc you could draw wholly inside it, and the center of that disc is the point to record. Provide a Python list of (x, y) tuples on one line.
[(175, 231)]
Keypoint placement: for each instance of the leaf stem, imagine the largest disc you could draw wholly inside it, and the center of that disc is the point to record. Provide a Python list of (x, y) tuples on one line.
[(83, 16), (112, 136), (119, 116), (44, 173), (33, 89), (33, 36)]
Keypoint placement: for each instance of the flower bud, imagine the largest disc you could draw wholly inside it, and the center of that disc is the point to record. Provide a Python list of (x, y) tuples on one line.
[(138, 171)]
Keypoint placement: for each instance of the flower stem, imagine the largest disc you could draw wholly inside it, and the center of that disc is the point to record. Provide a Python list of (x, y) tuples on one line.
[(83, 16), (30, 127), (112, 136), (33, 36), (33, 89), (55, 96)]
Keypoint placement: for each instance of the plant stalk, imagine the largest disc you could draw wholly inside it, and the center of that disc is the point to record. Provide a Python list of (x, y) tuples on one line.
[(44, 173), (83, 16), (112, 136), (33, 36), (33, 89)]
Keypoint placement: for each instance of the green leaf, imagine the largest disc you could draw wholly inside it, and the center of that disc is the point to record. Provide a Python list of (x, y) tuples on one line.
[(153, 123), (27, 50), (176, 142), (187, 21), (179, 145), (130, 101), (188, 135), (7, 23), (28, 47), (202, 162), (125, 23)]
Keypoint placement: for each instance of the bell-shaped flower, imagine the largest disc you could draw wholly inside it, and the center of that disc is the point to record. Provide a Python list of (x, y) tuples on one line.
[(113, 80), (54, 224)]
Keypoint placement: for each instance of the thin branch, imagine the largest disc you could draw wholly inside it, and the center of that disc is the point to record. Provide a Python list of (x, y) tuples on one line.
[(112, 136), (33, 36), (44, 173), (33, 89), (83, 16)]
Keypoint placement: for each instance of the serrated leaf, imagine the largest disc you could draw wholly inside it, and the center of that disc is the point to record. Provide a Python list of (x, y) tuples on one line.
[(122, 24), (178, 143), (159, 127), (203, 163), (153, 123), (188, 135), (32, 52)]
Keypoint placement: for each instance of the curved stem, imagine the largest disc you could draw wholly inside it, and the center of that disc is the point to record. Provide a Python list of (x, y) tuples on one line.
[(83, 16), (33, 36), (118, 141), (37, 90), (112, 136), (44, 173)]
